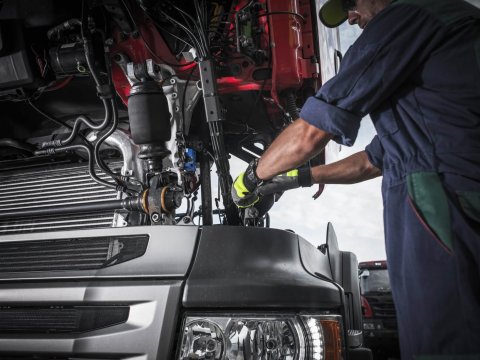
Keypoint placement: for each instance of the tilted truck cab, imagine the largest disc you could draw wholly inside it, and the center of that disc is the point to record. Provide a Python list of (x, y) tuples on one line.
[(114, 115)]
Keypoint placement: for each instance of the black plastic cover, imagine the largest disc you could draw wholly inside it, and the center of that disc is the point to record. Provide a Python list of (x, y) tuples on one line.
[(334, 254), (15, 69), (238, 267), (352, 290)]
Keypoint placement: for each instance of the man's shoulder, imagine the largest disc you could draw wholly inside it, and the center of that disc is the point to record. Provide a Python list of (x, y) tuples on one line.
[(446, 11)]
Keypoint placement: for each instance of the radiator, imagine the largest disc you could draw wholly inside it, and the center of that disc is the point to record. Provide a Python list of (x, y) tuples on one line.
[(53, 186)]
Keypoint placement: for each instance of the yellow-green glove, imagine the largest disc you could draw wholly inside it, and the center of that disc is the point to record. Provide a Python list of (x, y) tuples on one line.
[(245, 186)]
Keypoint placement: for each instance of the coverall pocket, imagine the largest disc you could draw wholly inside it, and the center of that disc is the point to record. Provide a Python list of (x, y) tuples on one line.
[(386, 123), (429, 202), (470, 203)]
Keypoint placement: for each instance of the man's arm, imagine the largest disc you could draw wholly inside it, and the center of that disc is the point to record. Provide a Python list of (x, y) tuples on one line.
[(352, 169), (298, 143)]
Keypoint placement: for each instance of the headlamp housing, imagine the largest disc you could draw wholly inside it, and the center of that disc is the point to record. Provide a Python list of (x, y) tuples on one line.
[(238, 336)]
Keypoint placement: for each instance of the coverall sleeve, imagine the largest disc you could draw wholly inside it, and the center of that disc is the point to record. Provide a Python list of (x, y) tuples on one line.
[(391, 47), (375, 152)]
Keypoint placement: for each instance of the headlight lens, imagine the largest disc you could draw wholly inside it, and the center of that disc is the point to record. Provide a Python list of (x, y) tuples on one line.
[(279, 337)]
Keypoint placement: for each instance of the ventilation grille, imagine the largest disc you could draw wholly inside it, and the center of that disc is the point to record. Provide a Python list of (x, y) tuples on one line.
[(70, 254), (60, 319), (53, 186), (383, 308)]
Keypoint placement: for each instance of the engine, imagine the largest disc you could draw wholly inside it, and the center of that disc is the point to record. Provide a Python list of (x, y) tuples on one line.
[(115, 112)]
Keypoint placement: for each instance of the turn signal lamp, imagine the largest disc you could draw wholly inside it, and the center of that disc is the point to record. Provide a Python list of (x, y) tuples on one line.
[(257, 337)]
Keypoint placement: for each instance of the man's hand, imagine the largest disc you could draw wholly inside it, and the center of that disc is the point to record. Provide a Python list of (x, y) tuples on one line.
[(245, 186), (290, 180)]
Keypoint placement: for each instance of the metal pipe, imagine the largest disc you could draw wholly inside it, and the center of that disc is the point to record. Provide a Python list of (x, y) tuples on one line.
[(132, 204)]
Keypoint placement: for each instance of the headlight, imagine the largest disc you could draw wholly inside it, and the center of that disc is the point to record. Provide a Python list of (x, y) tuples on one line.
[(254, 337)]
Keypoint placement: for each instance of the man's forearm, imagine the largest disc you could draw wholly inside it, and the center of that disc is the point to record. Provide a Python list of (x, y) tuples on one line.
[(353, 169), (298, 143)]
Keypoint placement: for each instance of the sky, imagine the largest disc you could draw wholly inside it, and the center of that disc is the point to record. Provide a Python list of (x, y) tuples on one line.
[(355, 211)]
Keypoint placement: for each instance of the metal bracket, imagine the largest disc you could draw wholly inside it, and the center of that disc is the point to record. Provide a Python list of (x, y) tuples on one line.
[(209, 88)]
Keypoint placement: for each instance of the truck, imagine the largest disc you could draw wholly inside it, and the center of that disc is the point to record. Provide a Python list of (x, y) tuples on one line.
[(114, 114), (379, 315)]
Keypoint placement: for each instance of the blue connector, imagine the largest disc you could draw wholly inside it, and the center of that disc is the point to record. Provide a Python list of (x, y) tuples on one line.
[(190, 160)]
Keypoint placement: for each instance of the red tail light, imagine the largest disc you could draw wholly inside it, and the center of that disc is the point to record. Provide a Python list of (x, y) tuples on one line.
[(366, 309)]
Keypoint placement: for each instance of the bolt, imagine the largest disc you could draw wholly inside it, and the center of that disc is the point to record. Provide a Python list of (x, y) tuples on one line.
[(155, 217), (211, 345), (177, 108), (271, 344), (81, 68), (135, 34), (173, 81), (109, 42), (117, 57), (174, 95)]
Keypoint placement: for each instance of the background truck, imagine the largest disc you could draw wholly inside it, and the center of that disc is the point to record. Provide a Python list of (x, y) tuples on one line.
[(379, 317), (113, 115)]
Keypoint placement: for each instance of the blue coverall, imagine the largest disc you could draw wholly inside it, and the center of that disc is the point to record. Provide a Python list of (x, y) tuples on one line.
[(416, 70)]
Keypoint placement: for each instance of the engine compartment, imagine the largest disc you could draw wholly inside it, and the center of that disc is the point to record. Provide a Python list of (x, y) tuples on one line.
[(114, 111)]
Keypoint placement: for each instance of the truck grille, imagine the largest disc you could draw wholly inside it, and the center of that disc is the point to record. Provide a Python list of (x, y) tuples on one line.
[(51, 186), (70, 254), (60, 319), (383, 308)]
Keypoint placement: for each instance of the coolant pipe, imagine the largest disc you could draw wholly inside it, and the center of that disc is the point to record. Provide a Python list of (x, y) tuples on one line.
[(131, 204)]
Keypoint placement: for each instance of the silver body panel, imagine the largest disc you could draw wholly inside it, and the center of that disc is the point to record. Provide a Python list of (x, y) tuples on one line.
[(169, 253), (147, 334), (151, 286)]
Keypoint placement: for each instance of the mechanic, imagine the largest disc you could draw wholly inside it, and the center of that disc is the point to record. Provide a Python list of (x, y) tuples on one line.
[(416, 70)]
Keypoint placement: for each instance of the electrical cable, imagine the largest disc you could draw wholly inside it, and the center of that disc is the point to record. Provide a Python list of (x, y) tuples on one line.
[(200, 11), (184, 94), (173, 35), (203, 44), (188, 32), (186, 15), (147, 46), (283, 13)]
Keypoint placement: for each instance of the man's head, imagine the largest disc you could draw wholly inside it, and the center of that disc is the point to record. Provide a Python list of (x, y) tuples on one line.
[(360, 12)]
